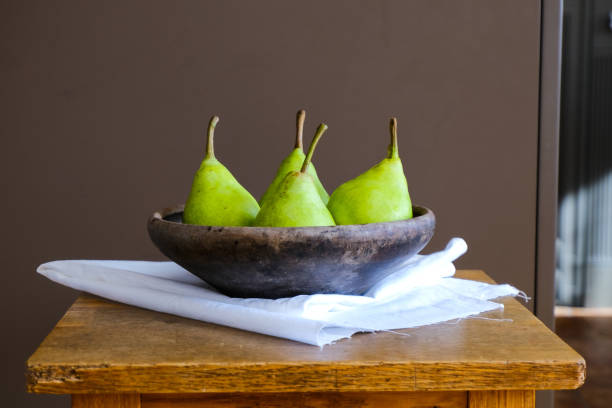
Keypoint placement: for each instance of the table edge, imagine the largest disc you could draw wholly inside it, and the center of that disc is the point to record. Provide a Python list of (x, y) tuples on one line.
[(305, 377)]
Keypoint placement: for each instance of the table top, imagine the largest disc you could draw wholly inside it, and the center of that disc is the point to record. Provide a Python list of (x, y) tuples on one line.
[(103, 346)]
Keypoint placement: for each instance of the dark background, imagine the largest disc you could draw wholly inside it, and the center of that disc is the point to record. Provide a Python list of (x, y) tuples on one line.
[(104, 107)]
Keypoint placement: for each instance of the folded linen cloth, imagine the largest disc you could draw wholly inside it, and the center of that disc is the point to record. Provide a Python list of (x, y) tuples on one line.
[(419, 292)]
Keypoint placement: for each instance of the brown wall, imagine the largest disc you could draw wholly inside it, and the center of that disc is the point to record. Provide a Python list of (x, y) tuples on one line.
[(104, 106)]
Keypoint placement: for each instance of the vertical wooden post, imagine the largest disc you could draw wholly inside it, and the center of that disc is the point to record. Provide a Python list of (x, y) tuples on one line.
[(105, 400), (502, 399)]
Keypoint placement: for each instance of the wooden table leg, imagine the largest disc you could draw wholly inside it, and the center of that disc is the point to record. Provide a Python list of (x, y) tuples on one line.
[(105, 400), (502, 399)]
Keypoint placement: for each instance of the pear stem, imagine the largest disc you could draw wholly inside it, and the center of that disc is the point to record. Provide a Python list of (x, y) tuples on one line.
[(210, 148), (393, 151), (301, 116), (320, 130)]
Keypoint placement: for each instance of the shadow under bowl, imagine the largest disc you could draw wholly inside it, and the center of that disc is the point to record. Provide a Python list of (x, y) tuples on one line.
[(268, 262)]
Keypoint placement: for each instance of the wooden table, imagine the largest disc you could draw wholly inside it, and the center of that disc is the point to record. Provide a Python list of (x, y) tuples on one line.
[(112, 355)]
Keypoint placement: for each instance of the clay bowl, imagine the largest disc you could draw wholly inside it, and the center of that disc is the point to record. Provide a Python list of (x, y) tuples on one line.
[(282, 262)]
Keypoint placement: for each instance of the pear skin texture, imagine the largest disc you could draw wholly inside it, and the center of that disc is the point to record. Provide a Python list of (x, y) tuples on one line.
[(295, 203), (293, 162), (378, 195), (217, 199)]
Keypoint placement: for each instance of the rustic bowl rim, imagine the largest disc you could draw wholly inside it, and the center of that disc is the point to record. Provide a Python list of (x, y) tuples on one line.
[(159, 217)]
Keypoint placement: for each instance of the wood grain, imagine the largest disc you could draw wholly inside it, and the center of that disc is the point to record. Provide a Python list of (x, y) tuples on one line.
[(105, 347), (106, 401), (502, 399), (591, 335), (451, 399)]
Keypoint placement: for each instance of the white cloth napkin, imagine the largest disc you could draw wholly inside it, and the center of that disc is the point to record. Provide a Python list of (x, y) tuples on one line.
[(419, 292)]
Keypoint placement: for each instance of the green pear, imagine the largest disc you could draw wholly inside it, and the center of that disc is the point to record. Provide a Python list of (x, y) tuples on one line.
[(296, 201), (216, 197), (293, 162), (378, 195)]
